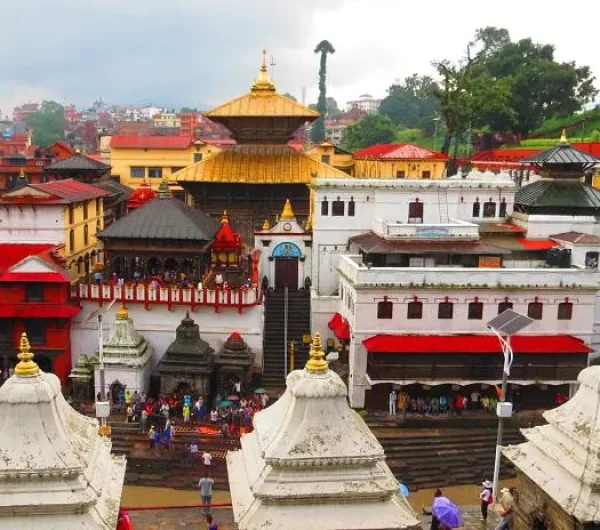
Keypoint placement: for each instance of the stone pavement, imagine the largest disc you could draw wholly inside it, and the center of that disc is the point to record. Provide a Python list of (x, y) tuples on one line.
[(192, 519), (180, 519)]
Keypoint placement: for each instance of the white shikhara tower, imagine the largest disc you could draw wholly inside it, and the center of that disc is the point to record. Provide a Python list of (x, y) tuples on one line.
[(312, 462), (56, 472)]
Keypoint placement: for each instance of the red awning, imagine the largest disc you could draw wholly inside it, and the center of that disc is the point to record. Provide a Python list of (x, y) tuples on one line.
[(38, 311), (473, 344), (340, 327), (536, 244), (336, 320)]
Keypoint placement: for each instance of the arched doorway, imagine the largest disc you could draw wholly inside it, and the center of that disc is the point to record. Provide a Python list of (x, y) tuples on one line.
[(154, 266), (286, 256)]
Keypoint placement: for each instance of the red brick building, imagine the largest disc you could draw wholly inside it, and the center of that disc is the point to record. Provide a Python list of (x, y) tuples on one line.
[(33, 165), (34, 297)]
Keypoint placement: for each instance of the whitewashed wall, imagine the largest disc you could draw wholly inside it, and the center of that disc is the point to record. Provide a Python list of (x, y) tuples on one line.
[(159, 324), (44, 224)]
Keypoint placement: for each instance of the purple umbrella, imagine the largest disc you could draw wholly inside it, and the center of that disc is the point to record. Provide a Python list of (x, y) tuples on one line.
[(446, 512)]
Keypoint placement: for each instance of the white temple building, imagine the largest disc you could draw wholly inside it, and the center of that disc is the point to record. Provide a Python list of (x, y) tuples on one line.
[(127, 355), (56, 472), (312, 462)]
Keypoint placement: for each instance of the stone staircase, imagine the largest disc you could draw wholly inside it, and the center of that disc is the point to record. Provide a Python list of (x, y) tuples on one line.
[(167, 468), (432, 454), (298, 325)]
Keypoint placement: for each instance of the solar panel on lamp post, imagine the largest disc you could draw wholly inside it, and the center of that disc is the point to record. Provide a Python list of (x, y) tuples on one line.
[(506, 325)]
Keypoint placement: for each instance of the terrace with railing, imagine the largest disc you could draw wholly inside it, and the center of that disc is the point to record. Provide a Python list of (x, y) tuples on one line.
[(169, 295)]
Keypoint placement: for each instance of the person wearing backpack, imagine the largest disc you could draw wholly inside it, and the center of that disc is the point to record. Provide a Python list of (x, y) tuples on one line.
[(486, 498)]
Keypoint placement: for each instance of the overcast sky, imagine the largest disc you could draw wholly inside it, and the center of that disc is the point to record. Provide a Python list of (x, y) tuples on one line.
[(203, 52)]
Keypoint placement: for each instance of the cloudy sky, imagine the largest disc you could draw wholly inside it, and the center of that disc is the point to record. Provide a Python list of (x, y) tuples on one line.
[(202, 52)]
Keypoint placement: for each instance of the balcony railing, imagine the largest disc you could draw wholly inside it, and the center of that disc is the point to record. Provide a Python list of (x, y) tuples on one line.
[(352, 268), (170, 296)]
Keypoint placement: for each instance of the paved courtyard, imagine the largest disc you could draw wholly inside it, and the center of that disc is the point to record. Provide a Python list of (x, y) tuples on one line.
[(192, 519)]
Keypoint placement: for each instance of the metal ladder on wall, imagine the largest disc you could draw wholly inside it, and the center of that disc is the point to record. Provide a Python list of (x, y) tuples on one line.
[(443, 204)]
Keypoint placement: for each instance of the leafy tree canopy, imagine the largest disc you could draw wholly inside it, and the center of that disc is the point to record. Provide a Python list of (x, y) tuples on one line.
[(501, 85), (372, 129), (289, 96), (412, 103), (185, 110), (47, 124)]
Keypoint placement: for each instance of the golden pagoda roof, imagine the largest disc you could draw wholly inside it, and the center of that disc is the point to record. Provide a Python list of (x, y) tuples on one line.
[(262, 101), (259, 164), (288, 212)]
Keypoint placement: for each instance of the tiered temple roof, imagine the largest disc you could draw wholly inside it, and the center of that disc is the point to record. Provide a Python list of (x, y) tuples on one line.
[(312, 460)]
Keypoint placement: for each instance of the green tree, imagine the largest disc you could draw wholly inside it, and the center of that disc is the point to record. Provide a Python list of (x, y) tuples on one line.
[(187, 110), (372, 129), (289, 96), (412, 103), (541, 87), (317, 132), (333, 111), (47, 124)]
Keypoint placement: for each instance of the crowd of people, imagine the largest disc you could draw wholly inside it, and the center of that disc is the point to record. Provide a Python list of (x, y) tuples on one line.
[(453, 403)]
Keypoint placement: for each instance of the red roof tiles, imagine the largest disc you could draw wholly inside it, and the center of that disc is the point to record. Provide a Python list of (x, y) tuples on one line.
[(150, 142), (398, 152), (57, 192)]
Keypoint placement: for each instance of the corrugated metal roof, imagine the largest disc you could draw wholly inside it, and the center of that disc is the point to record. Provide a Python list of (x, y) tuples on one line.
[(78, 162), (559, 193), (134, 141), (577, 238), (562, 153), (259, 164), (166, 218), (70, 190)]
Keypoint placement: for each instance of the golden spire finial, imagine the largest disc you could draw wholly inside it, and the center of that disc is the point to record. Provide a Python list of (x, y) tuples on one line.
[(26, 367), (122, 313), (266, 225), (563, 137), (263, 84), (225, 217), (316, 363), (287, 212)]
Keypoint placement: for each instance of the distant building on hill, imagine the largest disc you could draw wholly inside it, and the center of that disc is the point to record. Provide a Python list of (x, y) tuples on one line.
[(366, 103)]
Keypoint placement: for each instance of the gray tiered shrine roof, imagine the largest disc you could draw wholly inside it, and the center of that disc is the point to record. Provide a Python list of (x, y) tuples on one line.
[(163, 218), (235, 353), (189, 354), (78, 162), (562, 153), (566, 194)]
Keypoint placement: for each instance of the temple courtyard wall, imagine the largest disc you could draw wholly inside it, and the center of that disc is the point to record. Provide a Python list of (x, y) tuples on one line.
[(157, 324)]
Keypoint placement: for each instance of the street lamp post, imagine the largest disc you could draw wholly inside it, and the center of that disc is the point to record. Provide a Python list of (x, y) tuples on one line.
[(505, 326)]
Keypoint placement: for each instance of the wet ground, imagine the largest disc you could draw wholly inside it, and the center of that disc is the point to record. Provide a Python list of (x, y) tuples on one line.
[(189, 516)]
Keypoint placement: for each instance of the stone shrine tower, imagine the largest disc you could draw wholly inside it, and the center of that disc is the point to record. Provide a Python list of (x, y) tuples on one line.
[(233, 363), (188, 361), (56, 472), (127, 356), (312, 463), (559, 464)]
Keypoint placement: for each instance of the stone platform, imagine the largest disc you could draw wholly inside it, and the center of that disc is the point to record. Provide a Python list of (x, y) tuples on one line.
[(192, 519)]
